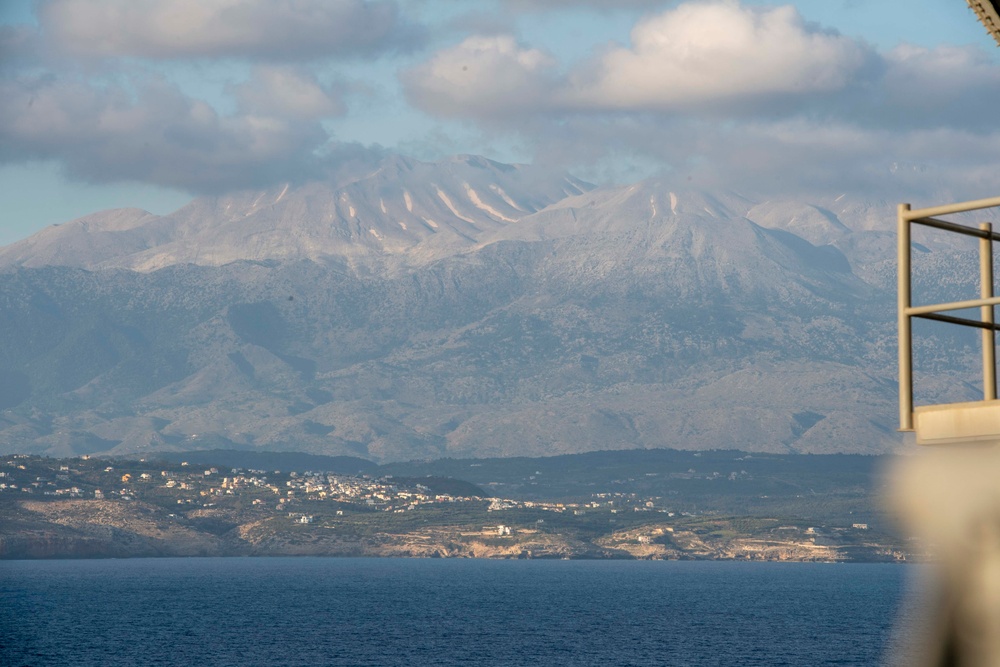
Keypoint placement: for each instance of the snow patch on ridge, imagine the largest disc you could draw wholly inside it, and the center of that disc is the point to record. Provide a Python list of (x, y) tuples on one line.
[(652, 205), (375, 234), (480, 204), (253, 206), (673, 203), (324, 218), (575, 187), (503, 195), (447, 202), (430, 222), (283, 192)]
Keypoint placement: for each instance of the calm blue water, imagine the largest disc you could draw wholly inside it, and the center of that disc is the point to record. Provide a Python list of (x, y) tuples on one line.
[(317, 611)]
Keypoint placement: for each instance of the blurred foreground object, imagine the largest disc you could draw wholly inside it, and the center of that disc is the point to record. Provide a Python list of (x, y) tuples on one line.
[(949, 496), (988, 12), (950, 499)]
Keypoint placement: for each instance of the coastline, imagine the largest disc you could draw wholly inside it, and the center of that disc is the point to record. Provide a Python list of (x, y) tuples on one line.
[(70, 529)]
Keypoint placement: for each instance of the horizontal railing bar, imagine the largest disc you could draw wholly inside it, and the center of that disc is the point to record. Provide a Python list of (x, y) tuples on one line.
[(960, 320), (953, 227), (955, 305), (974, 205)]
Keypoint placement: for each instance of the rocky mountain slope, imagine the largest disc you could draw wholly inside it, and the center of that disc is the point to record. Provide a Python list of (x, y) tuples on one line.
[(466, 308)]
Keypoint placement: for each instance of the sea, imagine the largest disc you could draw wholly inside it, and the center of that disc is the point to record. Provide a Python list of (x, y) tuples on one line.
[(284, 612)]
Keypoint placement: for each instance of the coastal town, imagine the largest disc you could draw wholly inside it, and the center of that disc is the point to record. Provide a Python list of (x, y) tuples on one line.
[(94, 507), (281, 491)]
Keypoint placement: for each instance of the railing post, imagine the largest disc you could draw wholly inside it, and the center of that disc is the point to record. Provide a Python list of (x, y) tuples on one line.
[(905, 331), (986, 313)]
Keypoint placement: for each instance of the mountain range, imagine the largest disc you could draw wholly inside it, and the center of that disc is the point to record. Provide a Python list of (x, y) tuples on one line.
[(469, 308)]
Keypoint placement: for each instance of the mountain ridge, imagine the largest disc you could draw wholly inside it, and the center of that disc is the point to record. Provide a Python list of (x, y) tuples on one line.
[(643, 315), (402, 204)]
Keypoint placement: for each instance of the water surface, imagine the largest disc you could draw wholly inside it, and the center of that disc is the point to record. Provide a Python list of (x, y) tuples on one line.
[(319, 611)]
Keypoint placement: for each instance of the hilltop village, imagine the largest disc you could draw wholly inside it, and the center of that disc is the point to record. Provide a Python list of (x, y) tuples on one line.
[(90, 507), (192, 486)]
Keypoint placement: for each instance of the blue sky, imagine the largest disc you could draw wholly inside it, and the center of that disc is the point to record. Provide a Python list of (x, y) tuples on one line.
[(148, 103)]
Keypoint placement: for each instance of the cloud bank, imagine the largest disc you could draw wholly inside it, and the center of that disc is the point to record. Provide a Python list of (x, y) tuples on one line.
[(735, 95), (269, 29), (483, 77), (695, 57), (288, 92), (706, 54), (88, 88), (150, 132), (724, 94)]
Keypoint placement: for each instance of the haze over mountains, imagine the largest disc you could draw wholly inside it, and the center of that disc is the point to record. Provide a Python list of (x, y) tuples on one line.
[(465, 308)]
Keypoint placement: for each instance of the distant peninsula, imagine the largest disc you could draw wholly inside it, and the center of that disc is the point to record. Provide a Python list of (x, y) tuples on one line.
[(642, 504)]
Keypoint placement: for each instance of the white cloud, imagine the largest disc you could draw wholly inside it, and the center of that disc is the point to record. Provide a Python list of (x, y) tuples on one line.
[(483, 76), (716, 53), (735, 96), (768, 157), (287, 92), (739, 96), (150, 132), (119, 121), (820, 156), (947, 85), (269, 29)]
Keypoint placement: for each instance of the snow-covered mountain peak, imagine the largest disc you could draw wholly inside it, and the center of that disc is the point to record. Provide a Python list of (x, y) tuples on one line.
[(363, 217)]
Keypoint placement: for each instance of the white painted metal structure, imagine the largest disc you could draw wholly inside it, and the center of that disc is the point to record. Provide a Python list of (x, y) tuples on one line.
[(988, 12), (949, 497), (954, 422)]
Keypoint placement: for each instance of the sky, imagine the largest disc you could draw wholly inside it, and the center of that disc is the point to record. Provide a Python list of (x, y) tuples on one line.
[(149, 103)]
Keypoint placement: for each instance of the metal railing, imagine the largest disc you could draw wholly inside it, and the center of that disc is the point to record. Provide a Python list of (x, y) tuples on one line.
[(907, 311)]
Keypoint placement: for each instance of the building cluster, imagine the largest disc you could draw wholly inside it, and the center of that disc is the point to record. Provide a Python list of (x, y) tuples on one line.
[(20, 480), (380, 493), (207, 487), (187, 485)]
